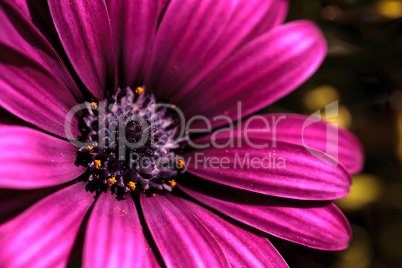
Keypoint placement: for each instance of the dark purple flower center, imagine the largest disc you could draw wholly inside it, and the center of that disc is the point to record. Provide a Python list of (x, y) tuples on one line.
[(130, 144)]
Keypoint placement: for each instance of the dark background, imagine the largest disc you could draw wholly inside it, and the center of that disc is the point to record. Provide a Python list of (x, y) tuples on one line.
[(363, 70)]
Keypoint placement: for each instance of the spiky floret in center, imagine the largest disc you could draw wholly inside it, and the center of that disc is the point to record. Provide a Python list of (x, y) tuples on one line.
[(130, 143)]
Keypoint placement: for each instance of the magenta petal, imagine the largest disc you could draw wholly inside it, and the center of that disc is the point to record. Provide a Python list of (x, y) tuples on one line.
[(242, 248), (186, 33), (250, 19), (319, 225), (114, 236), (134, 25), (308, 132), (31, 159), (274, 16), (287, 170), (311, 133), (44, 235), (85, 32), (35, 84), (20, 35), (262, 72), (181, 238)]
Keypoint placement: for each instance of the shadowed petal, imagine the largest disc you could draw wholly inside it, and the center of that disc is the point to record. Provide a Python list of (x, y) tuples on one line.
[(114, 236), (31, 159), (37, 12), (35, 84), (44, 235), (185, 35), (134, 25), (319, 225), (242, 248), (19, 34), (92, 55), (286, 170), (182, 239), (262, 72)]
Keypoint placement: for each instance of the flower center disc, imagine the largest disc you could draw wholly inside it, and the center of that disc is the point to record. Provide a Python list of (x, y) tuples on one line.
[(130, 144)]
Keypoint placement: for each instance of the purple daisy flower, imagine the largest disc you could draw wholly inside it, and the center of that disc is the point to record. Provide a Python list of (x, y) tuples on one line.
[(120, 59)]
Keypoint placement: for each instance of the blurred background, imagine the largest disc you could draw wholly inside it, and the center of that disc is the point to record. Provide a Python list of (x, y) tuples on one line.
[(363, 70)]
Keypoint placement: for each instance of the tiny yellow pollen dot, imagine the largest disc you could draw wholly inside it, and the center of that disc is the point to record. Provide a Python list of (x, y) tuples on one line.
[(94, 105), (180, 163), (112, 180), (97, 163), (139, 90), (173, 106), (153, 194), (131, 185), (173, 183), (135, 109), (90, 148), (119, 208)]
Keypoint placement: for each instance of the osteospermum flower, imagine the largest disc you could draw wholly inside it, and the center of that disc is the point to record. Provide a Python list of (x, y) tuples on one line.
[(120, 59)]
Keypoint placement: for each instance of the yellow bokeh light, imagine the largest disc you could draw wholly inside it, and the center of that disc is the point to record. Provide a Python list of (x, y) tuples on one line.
[(365, 189), (321, 96), (344, 118), (390, 8)]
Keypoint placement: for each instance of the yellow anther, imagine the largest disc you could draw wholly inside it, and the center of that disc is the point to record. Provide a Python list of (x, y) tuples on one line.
[(180, 163), (94, 105), (139, 90), (112, 180), (131, 185), (89, 149), (172, 183), (97, 163)]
